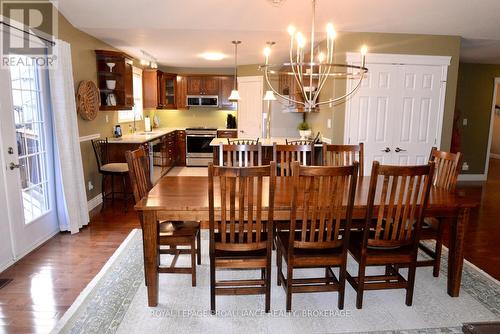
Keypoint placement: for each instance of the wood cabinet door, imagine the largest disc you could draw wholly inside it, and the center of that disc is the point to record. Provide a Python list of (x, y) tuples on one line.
[(128, 85), (181, 148), (161, 90), (149, 89), (226, 86), (181, 92), (194, 85), (210, 85), (170, 90)]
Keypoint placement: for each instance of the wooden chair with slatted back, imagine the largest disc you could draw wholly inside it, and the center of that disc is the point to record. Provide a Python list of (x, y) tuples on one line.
[(391, 237), (343, 155), (241, 233), (239, 155), (171, 234), (445, 177), (321, 225), (284, 155), (242, 141)]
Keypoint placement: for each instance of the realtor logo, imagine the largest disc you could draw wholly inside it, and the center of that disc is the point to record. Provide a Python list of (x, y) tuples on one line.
[(28, 29)]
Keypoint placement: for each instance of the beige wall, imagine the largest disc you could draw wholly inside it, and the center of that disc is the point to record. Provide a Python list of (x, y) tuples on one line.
[(474, 99), (495, 140), (192, 117), (84, 68)]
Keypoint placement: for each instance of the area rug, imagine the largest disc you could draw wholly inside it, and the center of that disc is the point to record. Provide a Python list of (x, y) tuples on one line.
[(116, 302)]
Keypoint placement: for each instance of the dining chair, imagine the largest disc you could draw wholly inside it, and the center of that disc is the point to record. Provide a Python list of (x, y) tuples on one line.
[(112, 169), (299, 141), (445, 177), (242, 141), (391, 239), (241, 237), (171, 234), (343, 155), (240, 155), (321, 227), (284, 155)]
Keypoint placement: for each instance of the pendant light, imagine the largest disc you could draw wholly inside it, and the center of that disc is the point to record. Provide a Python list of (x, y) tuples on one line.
[(235, 95)]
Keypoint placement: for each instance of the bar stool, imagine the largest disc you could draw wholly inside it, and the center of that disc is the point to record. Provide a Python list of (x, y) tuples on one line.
[(110, 169)]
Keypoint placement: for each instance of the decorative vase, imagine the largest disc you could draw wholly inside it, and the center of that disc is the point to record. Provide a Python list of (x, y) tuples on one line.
[(305, 134), (111, 84)]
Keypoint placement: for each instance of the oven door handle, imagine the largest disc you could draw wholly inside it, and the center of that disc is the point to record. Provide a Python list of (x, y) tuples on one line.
[(204, 136)]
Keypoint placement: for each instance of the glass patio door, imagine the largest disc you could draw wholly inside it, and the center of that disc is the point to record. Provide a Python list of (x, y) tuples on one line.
[(26, 139)]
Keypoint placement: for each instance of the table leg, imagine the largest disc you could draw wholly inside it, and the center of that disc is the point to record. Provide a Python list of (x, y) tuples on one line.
[(456, 252), (151, 255)]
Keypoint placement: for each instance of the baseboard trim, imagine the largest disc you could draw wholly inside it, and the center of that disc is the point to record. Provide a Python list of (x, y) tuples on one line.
[(494, 156), (472, 177), (94, 202)]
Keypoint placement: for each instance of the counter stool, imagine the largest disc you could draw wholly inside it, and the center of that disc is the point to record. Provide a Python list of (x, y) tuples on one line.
[(110, 169)]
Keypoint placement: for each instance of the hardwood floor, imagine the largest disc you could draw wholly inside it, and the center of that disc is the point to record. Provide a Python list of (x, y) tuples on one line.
[(48, 280)]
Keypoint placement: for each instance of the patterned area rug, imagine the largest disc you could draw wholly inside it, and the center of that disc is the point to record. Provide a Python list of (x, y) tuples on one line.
[(116, 302)]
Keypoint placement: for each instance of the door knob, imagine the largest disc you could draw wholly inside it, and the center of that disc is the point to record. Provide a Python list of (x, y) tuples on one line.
[(397, 150), (387, 150), (13, 166)]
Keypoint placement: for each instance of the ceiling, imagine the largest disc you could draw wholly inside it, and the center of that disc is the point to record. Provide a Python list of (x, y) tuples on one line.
[(176, 32)]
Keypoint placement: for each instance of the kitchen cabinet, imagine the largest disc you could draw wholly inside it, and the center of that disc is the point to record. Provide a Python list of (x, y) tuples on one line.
[(202, 85), (226, 86), (181, 92), (227, 134), (115, 83), (159, 89), (181, 147), (287, 85)]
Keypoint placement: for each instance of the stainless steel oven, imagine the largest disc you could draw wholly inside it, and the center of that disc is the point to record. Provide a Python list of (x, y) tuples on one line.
[(198, 149)]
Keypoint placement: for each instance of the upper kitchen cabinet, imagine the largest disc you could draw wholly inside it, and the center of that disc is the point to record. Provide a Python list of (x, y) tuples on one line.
[(288, 86), (202, 85), (226, 86), (181, 92), (159, 89), (114, 77)]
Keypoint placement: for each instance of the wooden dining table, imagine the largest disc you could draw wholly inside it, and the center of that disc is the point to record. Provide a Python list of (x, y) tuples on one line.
[(185, 198)]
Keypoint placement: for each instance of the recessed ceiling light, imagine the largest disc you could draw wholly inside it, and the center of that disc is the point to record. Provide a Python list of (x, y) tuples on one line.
[(213, 56)]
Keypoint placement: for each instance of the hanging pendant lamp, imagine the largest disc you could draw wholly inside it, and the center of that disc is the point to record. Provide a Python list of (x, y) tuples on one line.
[(235, 95)]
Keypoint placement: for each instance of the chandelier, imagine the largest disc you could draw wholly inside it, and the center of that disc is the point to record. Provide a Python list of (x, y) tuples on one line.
[(310, 75)]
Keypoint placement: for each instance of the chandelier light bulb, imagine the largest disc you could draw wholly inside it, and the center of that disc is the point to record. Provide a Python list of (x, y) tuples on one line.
[(330, 31), (267, 51), (301, 41), (321, 57), (364, 50), (291, 30)]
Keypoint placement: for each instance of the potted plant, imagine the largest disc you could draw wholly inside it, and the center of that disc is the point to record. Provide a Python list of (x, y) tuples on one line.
[(304, 130)]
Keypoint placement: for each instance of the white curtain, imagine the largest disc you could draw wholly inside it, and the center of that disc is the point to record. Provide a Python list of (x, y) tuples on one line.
[(71, 198)]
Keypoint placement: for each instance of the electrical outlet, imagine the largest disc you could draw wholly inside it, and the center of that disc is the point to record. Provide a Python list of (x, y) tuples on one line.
[(329, 123), (465, 166), (90, 185), (465, 121), (107, 119)]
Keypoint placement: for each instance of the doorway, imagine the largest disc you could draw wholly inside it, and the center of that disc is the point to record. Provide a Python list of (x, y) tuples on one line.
[(493, 156), (27, 160)]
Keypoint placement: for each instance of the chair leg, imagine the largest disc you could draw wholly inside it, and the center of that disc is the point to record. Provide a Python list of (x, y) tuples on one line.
[(342, 279), (289, 281), (267, 273), (438, 250), (279, 259), (361, 284), (125, 196), (411, 283), (212, 284), (193, 263), (103, 190), (198, 249), (112, 189)]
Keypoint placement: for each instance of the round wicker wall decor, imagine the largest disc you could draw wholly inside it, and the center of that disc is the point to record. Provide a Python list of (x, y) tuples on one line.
[(88, 100)]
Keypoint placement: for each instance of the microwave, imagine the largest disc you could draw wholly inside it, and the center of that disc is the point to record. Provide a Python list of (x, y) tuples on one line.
[(202, 101)]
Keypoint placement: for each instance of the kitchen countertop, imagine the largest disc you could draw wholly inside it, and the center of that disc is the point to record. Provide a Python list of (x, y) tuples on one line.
[(263, 141), (141, 137)]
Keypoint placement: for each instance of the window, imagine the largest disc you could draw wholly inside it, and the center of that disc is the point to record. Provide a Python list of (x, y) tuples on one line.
[(27, 96), (128, 115)]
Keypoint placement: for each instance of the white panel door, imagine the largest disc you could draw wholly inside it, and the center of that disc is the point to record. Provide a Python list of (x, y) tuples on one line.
[(250, 107), (416, 118), (370, 119)]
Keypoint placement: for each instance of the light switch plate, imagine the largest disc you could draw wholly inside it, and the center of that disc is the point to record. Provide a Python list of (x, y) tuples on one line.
[(329, 123), (465, 122)]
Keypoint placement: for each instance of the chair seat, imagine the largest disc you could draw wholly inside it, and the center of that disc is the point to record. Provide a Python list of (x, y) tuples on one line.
[(304, 257), (178, 229), (115, 167), (378, 255)]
